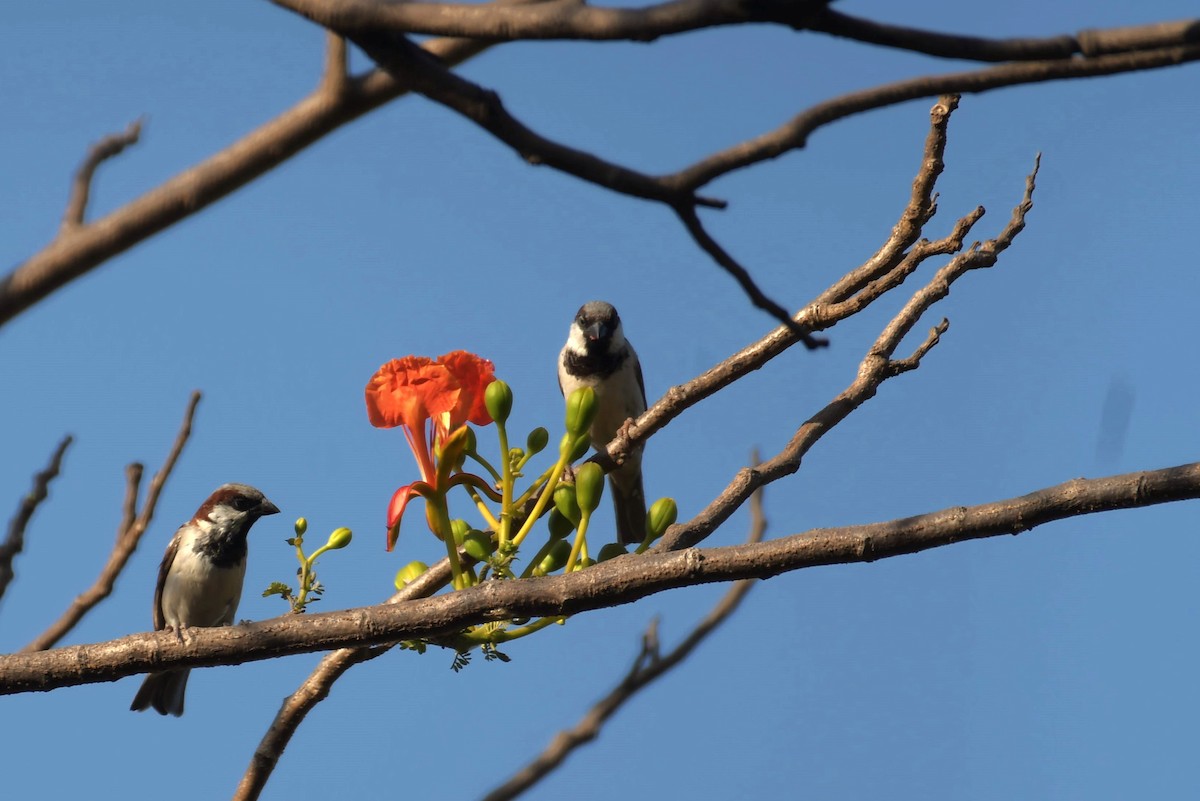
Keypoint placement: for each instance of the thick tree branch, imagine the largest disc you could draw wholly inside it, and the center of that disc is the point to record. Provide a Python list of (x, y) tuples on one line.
[(428, 76), (78, 251), (14, 541), (617, 581), (129, 534), (648, 666), (572, 20), (975, 48)]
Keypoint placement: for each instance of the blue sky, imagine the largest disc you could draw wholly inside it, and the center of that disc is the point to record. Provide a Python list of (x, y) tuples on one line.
[(1059, 664)]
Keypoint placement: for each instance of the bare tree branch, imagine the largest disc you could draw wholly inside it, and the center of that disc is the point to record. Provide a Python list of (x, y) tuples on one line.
[(891, 257), (648, 666), (108, 147), (794, 134), (877, 367), (14, 541), (77, 251), (616, 581), (315, 688), (572, 20), (129, 534), (974, 48), (897, 257), (691, 221)]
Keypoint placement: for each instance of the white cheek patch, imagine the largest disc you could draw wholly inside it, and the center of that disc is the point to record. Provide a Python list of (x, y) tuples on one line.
[(576, 342), (222, 516)]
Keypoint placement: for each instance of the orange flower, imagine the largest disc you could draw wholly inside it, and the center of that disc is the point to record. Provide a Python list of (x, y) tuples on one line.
[(430, 400)]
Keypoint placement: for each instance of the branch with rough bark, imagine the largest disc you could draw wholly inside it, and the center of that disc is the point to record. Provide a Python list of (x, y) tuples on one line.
[(129, 533), (14, 541), (886, 269), (618, 581), (338, 100), (574, 21), (341, 98)]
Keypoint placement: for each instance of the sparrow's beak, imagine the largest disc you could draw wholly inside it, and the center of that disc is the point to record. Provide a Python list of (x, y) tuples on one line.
[(594, 332), (267, 508)]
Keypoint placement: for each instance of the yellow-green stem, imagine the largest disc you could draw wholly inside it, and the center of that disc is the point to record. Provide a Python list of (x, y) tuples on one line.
[(447, 535), (542, 500), (492, 522), (579, 544), (506, 488)]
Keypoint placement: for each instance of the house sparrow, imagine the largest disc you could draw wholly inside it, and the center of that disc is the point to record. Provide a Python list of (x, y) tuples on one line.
[(200, 580), (597, 355)]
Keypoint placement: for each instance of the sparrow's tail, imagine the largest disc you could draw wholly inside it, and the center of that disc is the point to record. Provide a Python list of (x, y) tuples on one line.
[(629, 503), (163, 691)]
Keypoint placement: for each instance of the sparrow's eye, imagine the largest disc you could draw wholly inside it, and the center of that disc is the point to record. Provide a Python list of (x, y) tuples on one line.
[(243, 504)]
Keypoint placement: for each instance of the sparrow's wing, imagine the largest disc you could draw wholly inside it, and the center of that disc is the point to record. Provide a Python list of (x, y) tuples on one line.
[(561, 358), (637, 369), (160, 622)]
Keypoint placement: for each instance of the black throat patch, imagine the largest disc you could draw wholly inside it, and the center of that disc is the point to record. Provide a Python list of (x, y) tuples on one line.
[(599, 364), (224, 548)]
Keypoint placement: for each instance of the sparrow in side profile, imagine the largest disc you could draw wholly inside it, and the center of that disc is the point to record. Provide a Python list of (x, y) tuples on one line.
[(200, 580), (597, 355)]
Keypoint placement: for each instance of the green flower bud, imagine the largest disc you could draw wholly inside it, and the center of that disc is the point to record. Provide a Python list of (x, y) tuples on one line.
[(585, 562), (660, 517), (301, 526), (589, 486), (499, 399), (556, 556), (566, 503), (459, 529), (611, 550), (537, 441), (471, 442), (573, 446), (340, 538), (409, 573), (581, 410), (559, 525), (477, 545)]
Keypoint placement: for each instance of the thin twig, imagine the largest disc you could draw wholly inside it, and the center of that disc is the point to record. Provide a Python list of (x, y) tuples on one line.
[(691, 221), (132, 527), (108, 147), (648, 666), (617, 581), (14, 542)]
